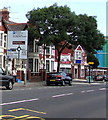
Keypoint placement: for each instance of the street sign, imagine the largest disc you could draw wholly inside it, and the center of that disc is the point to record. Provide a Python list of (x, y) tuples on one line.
[(91, 63), (17, 40)]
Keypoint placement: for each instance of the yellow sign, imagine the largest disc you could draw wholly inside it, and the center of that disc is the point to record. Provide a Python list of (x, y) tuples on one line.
[(90, 63)]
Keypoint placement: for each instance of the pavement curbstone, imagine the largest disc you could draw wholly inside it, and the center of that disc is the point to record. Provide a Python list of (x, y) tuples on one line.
[(43, 83)]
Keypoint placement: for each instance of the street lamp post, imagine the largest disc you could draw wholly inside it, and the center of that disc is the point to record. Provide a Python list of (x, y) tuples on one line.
[(19, 49), (89, 74)]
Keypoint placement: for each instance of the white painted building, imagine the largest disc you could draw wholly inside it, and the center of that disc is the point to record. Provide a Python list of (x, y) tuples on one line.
[(3, 47)]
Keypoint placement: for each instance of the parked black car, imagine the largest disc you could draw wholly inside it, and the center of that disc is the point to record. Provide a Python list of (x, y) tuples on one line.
[(100, 78), (58, 78), (6, 80)]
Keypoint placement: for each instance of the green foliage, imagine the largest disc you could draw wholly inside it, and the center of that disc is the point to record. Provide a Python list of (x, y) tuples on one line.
[(88, 36), (52, 24), (58, 26), (92, 58)]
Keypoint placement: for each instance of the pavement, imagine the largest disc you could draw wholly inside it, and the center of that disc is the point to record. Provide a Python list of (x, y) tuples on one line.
[(43, 83)]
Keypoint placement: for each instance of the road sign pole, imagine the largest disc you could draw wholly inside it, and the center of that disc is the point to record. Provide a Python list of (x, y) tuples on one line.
[(19, 49), (89, 74)]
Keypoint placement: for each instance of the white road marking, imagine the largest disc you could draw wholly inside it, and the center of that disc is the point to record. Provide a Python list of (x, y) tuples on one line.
[(82, 91), (62, 95), (89, 90), (21, 101), (102, 89)]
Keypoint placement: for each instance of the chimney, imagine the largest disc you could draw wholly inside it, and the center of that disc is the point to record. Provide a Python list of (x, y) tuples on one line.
[(4, 13)]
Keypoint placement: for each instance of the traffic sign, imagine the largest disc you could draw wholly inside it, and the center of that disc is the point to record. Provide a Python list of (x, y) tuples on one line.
[(90, 63)]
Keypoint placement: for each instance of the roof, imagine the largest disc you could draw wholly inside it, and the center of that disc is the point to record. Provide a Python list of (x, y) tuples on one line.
[(17, 26), (8, 25), (12, 26), (79, 48)]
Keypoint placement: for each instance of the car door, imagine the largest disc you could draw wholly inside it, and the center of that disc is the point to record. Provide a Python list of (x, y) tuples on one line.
[(1, 72)]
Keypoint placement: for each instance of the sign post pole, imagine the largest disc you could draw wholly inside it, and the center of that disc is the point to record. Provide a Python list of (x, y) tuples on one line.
[(19, 49), (90, 63)]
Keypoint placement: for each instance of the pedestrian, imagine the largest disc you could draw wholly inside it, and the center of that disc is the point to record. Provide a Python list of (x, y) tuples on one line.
[(14, 73)]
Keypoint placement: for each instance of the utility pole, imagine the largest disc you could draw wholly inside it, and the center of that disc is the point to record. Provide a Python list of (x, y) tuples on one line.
[(90, 64)]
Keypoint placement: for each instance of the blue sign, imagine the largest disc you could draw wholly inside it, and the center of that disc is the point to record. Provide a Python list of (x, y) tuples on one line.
[(78, 61), (8, 57), (9, 50)]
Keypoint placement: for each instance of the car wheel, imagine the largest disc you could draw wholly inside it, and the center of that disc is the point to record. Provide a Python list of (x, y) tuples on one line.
[(10, 85), (104, 80), (47, 83), (63, 83), (70, 83)]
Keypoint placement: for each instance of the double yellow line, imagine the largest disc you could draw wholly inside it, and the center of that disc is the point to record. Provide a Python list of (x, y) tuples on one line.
[(24, 117), (13, 110)]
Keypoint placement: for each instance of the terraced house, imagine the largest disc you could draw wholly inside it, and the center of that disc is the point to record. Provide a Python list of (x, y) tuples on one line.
[(37, 57), (4, 14), (5, 26)]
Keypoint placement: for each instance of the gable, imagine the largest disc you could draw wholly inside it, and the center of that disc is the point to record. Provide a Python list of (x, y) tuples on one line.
[(79, 48)]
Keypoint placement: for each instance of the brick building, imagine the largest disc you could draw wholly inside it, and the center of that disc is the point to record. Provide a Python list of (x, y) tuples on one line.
[(73, 62)]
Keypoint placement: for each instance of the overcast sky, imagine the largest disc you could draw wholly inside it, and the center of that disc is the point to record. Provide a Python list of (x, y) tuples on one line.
[(19, 8)]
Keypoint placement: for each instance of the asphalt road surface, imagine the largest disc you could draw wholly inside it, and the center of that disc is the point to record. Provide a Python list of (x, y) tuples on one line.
[(72, 102)]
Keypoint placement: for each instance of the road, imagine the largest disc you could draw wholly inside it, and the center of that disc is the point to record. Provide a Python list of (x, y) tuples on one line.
[(87, 101)]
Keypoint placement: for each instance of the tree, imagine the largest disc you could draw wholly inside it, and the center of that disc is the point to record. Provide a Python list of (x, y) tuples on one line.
[(92, 58), (89, 37), (58, 26), (53, 25)]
